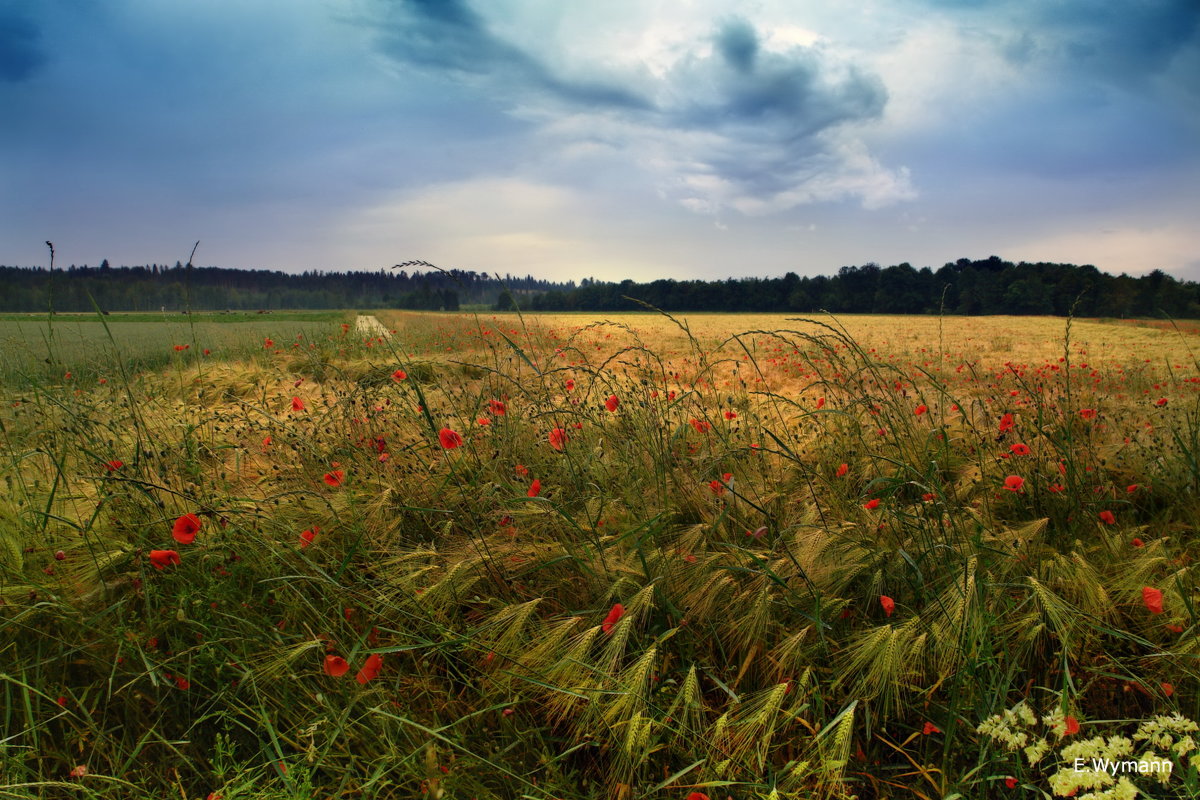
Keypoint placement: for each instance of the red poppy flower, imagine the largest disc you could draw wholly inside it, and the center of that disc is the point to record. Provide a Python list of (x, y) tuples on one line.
[(497, 408), (81, 770), (921, 409), (1087, 413), (820, 402), (266, 443), (370, 669), (1107, 517), (558, 437), (180, 348), (1014, 483), (930, 728), (449, 439), (716, 487), (1153, 598), (1006, 423), (297, 404), (399, 375), (521, 470), (114, 465), (535, 488), (335, 478), (1055, 488), (700, 425), (1167, 688), (889, 605), (1019, 449), (871, 504), (186, 528), (697, 796), (612, 402), (614, 614), (1137, 542), (1131, 488), (842, 469), (730, 415), (307, 537), (268, 344), (161, 559), (1072, 726), (1160, 402), (1010, 782), (336, 666)]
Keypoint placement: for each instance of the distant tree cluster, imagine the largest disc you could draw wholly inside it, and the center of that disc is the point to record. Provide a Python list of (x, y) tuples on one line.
[(990, 286), (154, 287)]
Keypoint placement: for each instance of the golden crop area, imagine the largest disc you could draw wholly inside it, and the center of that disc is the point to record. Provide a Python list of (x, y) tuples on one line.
[(603, 556)]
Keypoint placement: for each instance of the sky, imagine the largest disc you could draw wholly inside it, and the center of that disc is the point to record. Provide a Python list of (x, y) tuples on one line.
[(611, 139)]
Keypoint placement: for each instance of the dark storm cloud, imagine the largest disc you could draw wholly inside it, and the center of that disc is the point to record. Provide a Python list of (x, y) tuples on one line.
[(738, 43), (795, 94), (772, 111), (20, 44), (1121, 41), (754, 121), (449, 35)]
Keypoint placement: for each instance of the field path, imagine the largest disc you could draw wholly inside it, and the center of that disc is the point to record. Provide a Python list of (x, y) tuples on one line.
[(368, 325)]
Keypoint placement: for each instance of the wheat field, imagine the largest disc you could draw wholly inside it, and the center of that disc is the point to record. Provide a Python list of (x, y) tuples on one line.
[(631, 556)]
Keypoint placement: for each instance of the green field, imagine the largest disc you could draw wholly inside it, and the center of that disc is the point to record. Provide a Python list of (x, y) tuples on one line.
[(37, 347), (644, 557)]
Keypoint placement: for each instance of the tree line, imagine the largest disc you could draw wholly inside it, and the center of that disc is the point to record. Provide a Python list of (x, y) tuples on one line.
[(988, 286), (177, 288)]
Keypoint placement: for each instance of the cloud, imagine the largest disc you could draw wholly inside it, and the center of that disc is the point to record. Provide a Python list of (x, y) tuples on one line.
[(737, 42), (449, 36), (1120, 41), (21, 53), (732, 121)]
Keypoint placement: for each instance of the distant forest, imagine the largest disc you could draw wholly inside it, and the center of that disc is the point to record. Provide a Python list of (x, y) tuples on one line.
[(155, 287), (989, 286)]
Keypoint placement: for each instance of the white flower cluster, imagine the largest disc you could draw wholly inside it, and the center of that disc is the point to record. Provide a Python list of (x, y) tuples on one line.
[(1100, 766), (1006, 727), (1036, 751), (1056, 721), (1172, 734), (1080, 760), (1069, 780), (1122, 790)]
